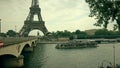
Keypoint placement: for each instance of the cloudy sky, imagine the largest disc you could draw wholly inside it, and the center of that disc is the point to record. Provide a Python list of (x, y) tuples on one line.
[(57, 14)]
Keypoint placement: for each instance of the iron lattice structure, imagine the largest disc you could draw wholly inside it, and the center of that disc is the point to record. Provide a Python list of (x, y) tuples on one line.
[(30, 24)]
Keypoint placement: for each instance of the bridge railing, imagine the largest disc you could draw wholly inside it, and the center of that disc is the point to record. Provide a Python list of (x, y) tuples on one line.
[(13, 40)]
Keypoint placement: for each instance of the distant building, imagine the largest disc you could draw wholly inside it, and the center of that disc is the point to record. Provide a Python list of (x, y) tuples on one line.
[(91, 31)]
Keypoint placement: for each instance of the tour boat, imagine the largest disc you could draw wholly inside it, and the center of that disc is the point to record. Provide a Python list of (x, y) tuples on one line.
[(76, 44)]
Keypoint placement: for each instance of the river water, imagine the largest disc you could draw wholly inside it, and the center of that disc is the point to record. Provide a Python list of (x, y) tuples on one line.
[(47, 56)]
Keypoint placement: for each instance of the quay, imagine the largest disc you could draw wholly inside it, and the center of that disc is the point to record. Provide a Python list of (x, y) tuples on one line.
[(99, 41)]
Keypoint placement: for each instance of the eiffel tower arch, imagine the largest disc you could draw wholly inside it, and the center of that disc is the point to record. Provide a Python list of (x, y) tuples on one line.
[(30, 24)]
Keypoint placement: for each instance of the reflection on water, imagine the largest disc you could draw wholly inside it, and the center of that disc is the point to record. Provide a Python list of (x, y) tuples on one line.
[(36, 58), (46, 56)]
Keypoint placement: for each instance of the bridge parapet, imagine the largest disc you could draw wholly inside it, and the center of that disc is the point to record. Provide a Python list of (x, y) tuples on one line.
[(13, 55), (17, 48), (14, 40)]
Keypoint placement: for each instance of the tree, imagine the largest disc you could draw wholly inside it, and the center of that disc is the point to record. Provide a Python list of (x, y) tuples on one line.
[(11, 33), (2, 35), (77, 32), (102, 32), (66, 33), (105, 11)]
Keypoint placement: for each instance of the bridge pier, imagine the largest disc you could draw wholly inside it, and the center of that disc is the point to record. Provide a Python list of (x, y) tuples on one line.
[(34, 45), (14, 62), (28, 49)]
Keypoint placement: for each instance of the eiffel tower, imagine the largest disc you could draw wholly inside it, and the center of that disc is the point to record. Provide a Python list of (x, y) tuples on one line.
[(30, 24)]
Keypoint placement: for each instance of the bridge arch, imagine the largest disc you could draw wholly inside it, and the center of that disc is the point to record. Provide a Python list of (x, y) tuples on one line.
[(7, 55), (33, 43), (4, 58), (15, 52), (27, 45), (24, 48)]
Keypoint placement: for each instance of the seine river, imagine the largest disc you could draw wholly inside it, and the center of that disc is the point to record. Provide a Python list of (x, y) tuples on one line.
[(47, 56)]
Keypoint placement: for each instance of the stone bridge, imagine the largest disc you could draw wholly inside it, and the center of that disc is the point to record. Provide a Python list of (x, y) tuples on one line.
[(11, 53), (17, 48)]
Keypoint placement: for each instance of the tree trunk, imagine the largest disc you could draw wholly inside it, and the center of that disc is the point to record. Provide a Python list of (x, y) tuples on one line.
[(119, 27), (118, 23), (105, 24)]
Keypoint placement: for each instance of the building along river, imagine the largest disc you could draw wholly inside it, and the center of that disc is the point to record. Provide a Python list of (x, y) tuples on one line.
[(47, 56)]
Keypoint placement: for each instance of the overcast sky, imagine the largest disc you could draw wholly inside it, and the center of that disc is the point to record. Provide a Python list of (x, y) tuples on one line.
[(57, 14)]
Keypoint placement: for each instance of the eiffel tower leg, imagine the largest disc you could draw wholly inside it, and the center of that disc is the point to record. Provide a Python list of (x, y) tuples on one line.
[(24, 32), (27, 28)]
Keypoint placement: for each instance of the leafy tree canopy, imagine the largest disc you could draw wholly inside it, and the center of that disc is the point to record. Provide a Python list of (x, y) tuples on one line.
[(11, 33), (2, 35), (105, 11), (102, 32)]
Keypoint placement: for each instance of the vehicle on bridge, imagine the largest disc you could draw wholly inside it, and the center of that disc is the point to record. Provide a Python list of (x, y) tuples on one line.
[(1, 44)]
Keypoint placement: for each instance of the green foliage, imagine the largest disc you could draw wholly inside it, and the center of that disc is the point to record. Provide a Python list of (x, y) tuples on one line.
[(64, 33), (100, 33), (77, 32), (68, 34), (80, 34), (11, 33), (71, 37), (104, 33), (2, 35), (104, 11)]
